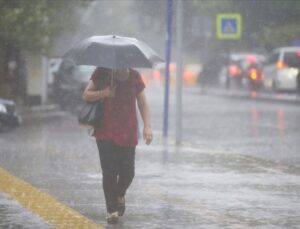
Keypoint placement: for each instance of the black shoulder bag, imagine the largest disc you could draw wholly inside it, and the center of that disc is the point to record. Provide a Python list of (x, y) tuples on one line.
[(92, 112)]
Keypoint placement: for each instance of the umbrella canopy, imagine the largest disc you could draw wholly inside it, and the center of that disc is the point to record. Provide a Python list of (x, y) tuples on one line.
[(113, 52)]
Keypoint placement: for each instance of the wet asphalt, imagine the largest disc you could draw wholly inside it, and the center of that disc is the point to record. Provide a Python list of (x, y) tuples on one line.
[(238, 166)]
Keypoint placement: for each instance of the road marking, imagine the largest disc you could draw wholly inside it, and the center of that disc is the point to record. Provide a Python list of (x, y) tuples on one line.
[(47, 207)]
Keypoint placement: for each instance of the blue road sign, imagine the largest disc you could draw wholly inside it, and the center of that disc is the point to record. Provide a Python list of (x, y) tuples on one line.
[(229, 26)]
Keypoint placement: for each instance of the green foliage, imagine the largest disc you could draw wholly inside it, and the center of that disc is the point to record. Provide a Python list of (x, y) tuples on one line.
[(212, 6), (269, 23), (32, 24), (277, 36)]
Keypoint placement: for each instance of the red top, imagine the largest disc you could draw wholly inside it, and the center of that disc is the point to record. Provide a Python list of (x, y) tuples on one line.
[(119, 122)]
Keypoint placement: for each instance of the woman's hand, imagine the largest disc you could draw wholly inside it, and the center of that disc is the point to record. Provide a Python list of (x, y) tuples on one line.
[(147, 134), (108, 92), (144, 111)]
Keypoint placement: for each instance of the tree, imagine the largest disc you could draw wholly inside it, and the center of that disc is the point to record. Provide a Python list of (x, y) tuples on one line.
[(267, 23), (29, 25)]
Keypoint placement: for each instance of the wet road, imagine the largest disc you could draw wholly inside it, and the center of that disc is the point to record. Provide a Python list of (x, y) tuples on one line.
[(238, 166), (267, 131)]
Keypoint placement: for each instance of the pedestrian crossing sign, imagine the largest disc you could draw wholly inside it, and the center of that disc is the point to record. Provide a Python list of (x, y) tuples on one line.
[(229, 26)]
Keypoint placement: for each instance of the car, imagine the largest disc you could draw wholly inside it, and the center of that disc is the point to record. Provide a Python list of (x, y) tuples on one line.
[(281, 71), (53, 66), (8, 114), (242, 70), (190, 73), (252, 72), (212, 67), (69, 83)]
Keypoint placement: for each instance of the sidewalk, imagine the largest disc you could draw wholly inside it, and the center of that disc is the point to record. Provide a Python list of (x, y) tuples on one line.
[(164, 193), (14, 215), (175, 187), (64, 171)]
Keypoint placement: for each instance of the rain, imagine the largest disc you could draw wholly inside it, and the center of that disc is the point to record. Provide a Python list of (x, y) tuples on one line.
[(222, 84)]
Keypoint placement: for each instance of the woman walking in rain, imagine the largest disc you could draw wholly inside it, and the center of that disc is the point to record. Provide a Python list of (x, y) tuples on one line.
[(117, 137)]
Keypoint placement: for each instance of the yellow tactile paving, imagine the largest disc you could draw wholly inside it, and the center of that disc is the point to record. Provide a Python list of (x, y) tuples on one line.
[(47, 207)]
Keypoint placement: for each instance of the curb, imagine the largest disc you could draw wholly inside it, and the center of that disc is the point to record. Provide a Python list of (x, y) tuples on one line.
[(253, 95)]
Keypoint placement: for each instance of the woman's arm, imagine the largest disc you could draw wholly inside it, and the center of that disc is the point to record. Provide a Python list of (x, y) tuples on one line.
[(145, 113), (92, 94)]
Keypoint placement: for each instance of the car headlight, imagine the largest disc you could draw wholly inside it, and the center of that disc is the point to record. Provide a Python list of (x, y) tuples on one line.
[(3, 108)]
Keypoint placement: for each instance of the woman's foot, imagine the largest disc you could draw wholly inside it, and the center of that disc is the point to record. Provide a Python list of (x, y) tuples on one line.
[(112, 218), (121, 205)]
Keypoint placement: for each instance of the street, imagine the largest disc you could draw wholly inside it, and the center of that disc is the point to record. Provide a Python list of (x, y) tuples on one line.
[(238, 166)]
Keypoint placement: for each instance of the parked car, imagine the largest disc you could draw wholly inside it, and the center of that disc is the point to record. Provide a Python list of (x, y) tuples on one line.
[(281, 72), (69, 83), (8, 114), (242, 70), (53, 67)]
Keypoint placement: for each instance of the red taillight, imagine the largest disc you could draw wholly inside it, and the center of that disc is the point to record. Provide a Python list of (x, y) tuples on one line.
[(156, 75), (280, 65), (253, 74), (298, 53), (234, 70)]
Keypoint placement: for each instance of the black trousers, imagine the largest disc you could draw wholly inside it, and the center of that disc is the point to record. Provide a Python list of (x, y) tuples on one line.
[(117, 165)]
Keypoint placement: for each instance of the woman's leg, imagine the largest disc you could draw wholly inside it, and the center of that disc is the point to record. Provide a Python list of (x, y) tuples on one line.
[(126, 161), (109, 165)]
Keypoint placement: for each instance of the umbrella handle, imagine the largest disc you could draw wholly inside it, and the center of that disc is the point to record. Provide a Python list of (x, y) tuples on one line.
[(112, 78)]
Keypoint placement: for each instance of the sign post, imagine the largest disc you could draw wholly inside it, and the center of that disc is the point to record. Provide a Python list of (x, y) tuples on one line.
[(167, 73), (178, 117)]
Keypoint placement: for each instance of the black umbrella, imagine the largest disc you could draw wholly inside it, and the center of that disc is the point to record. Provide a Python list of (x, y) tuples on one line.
[(113, 52)]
